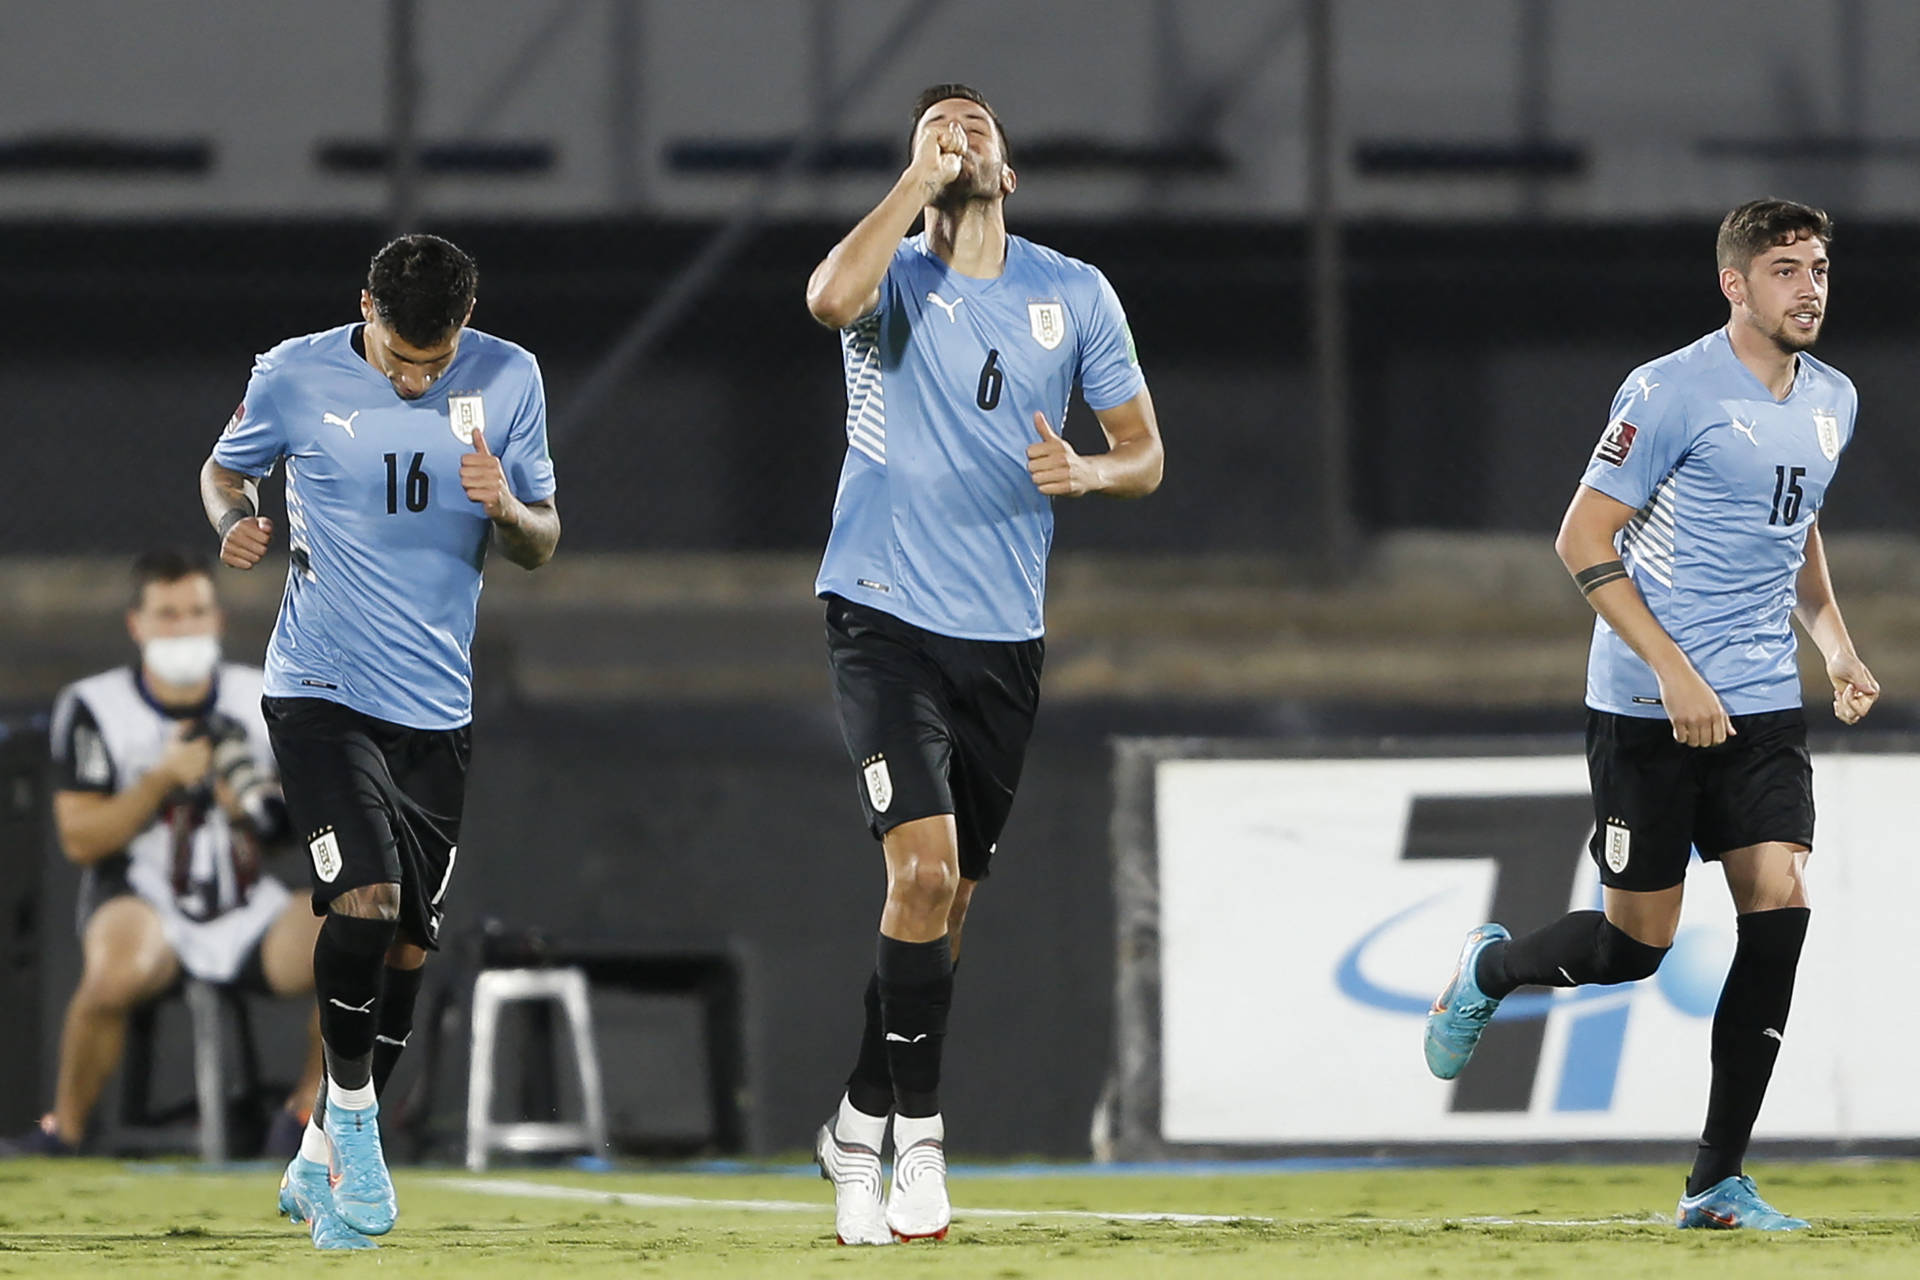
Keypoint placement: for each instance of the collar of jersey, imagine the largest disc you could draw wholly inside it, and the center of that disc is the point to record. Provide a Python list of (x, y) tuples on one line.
[(1801, 371), (960, 280)]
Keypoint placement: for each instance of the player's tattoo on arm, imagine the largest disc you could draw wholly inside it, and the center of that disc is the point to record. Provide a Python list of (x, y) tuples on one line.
[(530, 541), (229, 496), (1593, 578)]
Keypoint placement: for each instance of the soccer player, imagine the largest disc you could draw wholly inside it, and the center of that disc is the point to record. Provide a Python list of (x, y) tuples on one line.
[(412, 444), (164, 794), (1695, 537), (961, 347)]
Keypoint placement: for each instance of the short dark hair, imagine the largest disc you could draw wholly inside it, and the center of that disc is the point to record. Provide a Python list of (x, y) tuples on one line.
[(423, 287), (940, 93), (167, 564), (1759, 225)]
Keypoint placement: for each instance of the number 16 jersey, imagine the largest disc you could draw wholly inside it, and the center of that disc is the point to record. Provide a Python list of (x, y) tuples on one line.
[(1725, 482), (937, 521), (387, 548)]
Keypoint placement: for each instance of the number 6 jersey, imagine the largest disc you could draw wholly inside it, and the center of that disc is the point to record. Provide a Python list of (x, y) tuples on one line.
[(937, 521), (387, 549), (1725, 482)]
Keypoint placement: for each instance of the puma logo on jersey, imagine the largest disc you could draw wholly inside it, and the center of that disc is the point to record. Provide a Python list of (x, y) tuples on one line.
[(1746, 429), (1647, 388), (345, 424), (944, 305)]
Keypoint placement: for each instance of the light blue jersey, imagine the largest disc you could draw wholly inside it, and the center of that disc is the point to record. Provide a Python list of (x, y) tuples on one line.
[(937, 520), (1726, 481), (387, 547)]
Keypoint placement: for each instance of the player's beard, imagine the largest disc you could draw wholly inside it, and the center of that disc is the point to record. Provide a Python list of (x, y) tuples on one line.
[(1789, 340), (979, 180)]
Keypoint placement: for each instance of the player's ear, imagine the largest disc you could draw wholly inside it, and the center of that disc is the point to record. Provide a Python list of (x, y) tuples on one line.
[(1008, 181), (366, 306), (1734, 285), (469, 316)]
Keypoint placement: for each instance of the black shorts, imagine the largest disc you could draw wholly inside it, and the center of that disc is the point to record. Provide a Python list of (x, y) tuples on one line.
[(374, 803), (934, 724), (1654, 800)]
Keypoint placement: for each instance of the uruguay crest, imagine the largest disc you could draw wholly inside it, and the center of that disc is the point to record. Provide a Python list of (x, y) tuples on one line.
[(466, 414), (1048, 320), (1827, 423)]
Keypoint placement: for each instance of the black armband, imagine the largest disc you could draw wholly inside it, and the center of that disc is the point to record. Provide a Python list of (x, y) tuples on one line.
[(1592, 579), (234, 517)]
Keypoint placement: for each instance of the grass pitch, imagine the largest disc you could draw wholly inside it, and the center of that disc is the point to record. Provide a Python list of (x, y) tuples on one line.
[(90, 1218)]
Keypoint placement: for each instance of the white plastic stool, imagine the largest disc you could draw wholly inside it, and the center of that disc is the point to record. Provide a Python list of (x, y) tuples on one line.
[(568, 989)]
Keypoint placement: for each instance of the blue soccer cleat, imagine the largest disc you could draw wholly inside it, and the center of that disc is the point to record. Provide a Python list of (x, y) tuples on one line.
[(306, 1195), (362, 1188), (1732, 1204), (1463, 1010)]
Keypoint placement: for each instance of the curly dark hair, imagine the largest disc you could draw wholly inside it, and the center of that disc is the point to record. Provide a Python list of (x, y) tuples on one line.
[(166, 564), (1759, 225), (940, 93), (422, 287)]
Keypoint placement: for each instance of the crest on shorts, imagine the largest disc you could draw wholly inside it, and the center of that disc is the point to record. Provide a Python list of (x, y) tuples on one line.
[(1618, 842), (1827, 424), (879, 783), (325, 848), (1048, 321), (1616, 442), (466, 414)]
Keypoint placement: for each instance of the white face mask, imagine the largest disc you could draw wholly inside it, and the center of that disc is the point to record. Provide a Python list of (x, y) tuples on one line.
[(181, 659)]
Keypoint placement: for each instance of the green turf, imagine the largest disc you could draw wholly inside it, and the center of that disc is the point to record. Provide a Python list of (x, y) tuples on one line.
[(89, 1218)]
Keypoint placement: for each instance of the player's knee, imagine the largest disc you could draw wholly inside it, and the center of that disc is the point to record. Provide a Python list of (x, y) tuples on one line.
[(1624, 958), (926, 884), (368, 902)]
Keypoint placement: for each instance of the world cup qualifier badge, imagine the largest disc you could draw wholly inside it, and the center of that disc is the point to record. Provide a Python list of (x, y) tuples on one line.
[(1616, 442)]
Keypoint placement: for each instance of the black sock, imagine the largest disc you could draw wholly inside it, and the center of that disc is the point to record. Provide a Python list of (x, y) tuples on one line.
[(916, 988), (1747, 1027), (395, 1023), (1581, 948), (347, 959), (870, 1087)]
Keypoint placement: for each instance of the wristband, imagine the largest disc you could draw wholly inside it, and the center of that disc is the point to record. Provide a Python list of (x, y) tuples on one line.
[(233, 517)]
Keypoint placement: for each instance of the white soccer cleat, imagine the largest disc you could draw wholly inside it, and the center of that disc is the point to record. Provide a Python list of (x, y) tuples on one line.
[(853, 1168), (917, 1205)]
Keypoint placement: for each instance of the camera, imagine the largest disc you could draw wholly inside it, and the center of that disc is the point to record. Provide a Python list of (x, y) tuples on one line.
[(233, 763)]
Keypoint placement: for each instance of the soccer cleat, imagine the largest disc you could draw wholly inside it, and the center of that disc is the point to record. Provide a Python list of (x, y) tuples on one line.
[(854, 1170), (1463, 1010), (917, 1207), (362, 1188), (306, 1195), (1733, 1204)]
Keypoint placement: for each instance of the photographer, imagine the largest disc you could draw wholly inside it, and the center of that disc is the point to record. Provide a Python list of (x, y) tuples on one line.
[(165, 795)]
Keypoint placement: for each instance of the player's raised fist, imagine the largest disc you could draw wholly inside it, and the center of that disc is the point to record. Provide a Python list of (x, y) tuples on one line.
[(1056, 469), (484, 479), (937, 156), (246, 542)]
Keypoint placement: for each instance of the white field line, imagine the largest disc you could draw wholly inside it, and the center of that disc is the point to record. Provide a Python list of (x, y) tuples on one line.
[(649, 1200)]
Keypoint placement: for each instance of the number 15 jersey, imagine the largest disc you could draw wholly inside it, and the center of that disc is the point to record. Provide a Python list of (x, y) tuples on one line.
[(387, 548), (1725, 482), (937, 521)]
